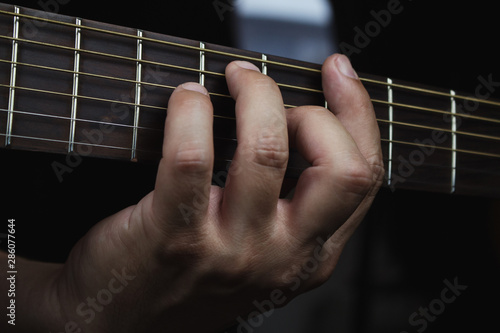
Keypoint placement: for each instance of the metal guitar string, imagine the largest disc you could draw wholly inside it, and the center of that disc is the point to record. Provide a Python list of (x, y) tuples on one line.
[(260, 60)]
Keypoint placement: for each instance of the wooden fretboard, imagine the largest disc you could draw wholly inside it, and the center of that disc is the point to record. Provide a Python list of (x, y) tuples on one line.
[(84, 88)]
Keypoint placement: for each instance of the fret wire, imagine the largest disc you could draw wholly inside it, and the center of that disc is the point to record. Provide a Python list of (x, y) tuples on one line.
[(202, 64), (429, 91), (137, 108), (74, 99), (391, 129), (264, 64), (13, 74), (453, 142)]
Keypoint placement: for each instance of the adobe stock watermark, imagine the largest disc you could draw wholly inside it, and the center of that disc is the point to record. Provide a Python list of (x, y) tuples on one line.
[(104, 297), (201, 198), (224, 6), (372, 29), (31, 27), (121, 109), (408, 164), (421, 318)]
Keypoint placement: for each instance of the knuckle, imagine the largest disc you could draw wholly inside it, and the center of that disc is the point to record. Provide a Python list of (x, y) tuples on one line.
[(183, 253), (378, 169), (192, 158), (270, 150), (357, 177)]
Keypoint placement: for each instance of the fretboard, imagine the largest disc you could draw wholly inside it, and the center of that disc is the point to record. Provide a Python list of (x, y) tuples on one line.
[(84, 88)]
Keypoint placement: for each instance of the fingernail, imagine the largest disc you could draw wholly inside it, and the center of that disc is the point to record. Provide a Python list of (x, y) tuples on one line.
[(247, 65), (345, 67), (193, 86)]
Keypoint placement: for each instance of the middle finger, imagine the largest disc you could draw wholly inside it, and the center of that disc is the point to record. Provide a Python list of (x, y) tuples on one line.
[(256, 174)]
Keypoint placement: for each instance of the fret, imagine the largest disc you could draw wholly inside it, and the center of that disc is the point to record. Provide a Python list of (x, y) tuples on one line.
[(13, 75), (138, 87), (74, 98), (202, 64), (264, 64), (390, 100), (119, 65), (453, 142)]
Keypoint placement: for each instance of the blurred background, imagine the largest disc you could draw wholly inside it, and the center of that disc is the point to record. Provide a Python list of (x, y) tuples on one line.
[(410, 243)]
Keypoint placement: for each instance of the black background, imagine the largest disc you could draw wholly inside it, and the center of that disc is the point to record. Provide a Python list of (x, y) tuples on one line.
[(432, 236)]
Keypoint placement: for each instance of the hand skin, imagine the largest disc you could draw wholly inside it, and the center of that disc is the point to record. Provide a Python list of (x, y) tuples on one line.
[(152, 268)]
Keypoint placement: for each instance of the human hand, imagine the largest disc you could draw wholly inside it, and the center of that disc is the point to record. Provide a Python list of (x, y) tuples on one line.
[(150, 268)]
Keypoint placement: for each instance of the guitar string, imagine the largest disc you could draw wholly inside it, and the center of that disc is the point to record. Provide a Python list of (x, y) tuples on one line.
[(433, 165), (475, 135), (472, 152), (82, 120), (446, 130), (421, 108), (216, 159), (227, 96), (259, 60), (34, 114), (143, 61), (158, 41), (443, 149), (382, 83), (219, 74), (231, 118), (93, 145)]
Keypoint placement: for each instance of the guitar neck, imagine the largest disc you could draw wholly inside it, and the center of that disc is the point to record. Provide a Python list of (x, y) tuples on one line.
[(84, 88)]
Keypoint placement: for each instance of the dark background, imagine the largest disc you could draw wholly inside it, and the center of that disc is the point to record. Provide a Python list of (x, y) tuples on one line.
[(411, 241)]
